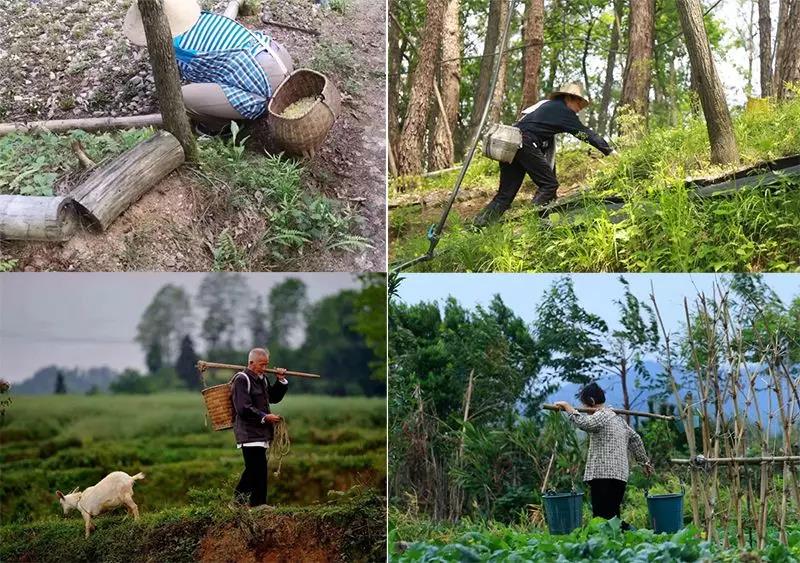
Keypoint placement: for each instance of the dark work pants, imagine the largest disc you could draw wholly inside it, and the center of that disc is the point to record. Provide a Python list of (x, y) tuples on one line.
[(252, 487), (607, 495), (531, 161)]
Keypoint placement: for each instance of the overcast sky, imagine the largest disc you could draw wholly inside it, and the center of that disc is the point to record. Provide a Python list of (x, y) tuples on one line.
[(596, 292), (87, 320)]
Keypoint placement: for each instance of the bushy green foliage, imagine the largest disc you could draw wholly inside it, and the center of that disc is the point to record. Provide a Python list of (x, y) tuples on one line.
[(663, 225), (59, 442), (31, 163), (600, 540)]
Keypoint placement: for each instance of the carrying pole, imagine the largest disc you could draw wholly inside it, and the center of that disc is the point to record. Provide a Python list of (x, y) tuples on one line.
[(203, 366), (435, 232), (618, 411)]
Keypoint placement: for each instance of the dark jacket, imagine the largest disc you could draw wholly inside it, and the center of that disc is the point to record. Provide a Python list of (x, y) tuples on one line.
[(553, 117), (250, 408)]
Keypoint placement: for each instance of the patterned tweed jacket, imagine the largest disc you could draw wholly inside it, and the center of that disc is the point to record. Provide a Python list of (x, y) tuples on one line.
[(610, 440)]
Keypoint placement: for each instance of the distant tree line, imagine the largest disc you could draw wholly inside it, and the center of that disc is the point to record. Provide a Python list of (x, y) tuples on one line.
[(342, 336)]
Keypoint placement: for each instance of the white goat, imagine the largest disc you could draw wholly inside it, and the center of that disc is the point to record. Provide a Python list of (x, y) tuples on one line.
[(112, 491)]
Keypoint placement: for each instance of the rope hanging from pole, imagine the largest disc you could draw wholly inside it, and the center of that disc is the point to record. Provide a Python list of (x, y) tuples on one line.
[(281, 444), (435, 231)]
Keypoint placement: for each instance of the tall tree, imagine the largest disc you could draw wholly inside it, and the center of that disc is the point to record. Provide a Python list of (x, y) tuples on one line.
[(154, 357), (286, 306), (787, 48), (533, 39), (61, 387), (611, 63), (490, 44), (638, 67), (395, 80), (258, 323), (442, 153), (225, 297), (709, 87), (165, 73), (765, 47), (409, 146), (637, 336), (498, 94), (167, 319), (186, 365)]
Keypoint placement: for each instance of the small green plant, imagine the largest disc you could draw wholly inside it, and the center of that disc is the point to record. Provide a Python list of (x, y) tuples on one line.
[(7, 265), (227, 255), (340, 6)]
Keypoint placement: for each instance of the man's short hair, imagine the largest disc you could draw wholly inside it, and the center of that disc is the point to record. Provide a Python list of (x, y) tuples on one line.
[(255, 353), (592, 394)]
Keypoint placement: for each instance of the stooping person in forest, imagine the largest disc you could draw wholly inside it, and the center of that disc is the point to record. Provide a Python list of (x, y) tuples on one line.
[(253, 423), (610, 440), (539, 125), (231, 71)]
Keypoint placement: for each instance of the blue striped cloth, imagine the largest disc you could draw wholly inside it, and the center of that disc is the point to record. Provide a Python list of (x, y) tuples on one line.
[(219, 50)]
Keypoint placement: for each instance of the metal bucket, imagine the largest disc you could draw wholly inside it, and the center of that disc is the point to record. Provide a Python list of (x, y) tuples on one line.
[(502, 142)]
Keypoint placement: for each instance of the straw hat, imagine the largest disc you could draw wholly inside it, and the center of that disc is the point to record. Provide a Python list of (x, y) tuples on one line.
[(573, 89), (181, 15)]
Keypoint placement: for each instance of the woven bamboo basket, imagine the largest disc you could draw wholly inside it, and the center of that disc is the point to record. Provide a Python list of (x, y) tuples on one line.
[(304, 135), (219, 405)]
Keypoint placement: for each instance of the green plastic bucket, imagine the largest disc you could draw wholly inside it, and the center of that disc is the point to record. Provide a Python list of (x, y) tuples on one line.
[(564, 511), (666, 512)]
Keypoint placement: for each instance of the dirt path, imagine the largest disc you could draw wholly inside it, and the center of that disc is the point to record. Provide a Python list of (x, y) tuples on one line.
[(175, 225)]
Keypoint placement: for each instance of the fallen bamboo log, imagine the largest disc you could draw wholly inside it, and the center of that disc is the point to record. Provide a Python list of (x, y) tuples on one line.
[(113, 187), (618, 411), (86, 124), (203, 366), (232, 9), (737, 460), (24, 217)]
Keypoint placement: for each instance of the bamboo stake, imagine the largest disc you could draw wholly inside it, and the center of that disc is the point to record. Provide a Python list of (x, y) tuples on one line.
[(618, 411), (203, 366), (686, 418), (86, 124), (549, 467), (743, 460)]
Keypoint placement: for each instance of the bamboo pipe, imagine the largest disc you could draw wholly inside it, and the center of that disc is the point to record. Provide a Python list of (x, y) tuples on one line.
[(202, 366), (743, 460), (618, 411), (85, 123)]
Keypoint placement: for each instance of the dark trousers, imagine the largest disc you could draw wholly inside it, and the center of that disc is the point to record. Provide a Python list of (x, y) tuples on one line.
[(531, 161), (252, 487), (607, 495)]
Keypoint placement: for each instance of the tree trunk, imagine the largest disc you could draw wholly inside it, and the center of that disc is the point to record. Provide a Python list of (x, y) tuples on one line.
[(623, 376), (709, 88), (409, 145), (486, 68), (533, 39), (611, 62), (496, 111), (395, 83), (442, 153), (787, 48), (165, 73), (586, 84), (638, 67), (765, 47), (25, 217), (113, 187)]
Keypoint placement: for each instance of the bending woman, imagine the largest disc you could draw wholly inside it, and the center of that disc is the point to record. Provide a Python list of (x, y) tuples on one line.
[(232, 71), (610, 440)]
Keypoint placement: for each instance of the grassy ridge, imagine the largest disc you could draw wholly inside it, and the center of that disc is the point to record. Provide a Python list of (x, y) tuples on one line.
[(348, 527), (59, 442), (666, 227)]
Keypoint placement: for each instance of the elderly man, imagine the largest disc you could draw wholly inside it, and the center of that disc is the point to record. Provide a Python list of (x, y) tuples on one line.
[(231, 70), (539, 125), (252, 394)]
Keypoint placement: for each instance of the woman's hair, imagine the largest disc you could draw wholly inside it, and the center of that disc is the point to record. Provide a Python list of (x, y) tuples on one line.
[(591, 395)]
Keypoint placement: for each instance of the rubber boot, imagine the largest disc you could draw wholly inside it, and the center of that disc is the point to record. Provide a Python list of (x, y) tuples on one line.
[(488, 215)]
